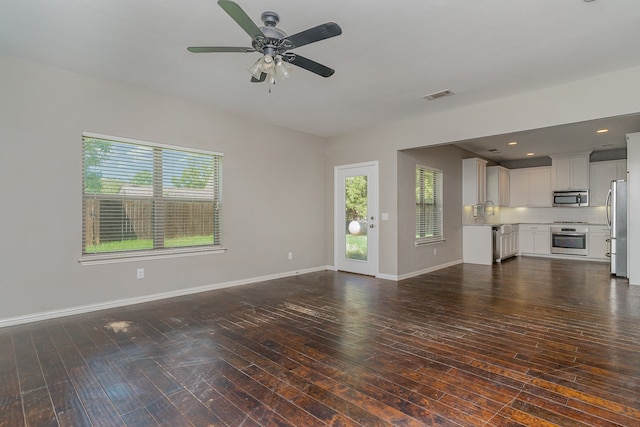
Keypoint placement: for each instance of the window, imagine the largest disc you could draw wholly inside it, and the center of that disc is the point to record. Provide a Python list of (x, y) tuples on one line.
[(428, 205), (141, 198)]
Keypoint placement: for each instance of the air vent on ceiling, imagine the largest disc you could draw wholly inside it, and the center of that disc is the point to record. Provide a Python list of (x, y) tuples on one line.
[(437, 95), (493, 150)]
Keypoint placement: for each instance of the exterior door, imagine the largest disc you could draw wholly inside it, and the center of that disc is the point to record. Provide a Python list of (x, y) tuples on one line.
[(356, 218)]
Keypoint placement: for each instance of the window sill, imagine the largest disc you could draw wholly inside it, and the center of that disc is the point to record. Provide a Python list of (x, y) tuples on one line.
[(113, 258), (427, 242)]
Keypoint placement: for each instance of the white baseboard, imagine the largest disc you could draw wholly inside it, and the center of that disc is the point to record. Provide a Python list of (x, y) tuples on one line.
[(387, 277), (35, 317), (396, 278), (428, 270)]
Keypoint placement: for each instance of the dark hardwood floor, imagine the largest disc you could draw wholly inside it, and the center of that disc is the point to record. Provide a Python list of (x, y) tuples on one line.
[(530, 342)]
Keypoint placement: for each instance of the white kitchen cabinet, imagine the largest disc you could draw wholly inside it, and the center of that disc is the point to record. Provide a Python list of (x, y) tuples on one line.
[(570, 172), (509, 240), (477, 244), (600, 176), (530, 187), (514, 238), (474, 181), (598, 243), (498, 185), (535, 239)]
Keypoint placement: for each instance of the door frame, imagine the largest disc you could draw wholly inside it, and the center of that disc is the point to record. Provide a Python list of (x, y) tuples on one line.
[(338, 213)]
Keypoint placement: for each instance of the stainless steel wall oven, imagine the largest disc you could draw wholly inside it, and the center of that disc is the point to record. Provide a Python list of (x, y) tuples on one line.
[(569, 240)]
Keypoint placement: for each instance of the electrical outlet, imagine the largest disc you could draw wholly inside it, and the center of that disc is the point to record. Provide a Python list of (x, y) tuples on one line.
[(435, 251), (290, 255), (140, 273)]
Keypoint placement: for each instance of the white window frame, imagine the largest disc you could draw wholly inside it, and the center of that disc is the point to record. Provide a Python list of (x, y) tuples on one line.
[(423, 225), (158, 251)]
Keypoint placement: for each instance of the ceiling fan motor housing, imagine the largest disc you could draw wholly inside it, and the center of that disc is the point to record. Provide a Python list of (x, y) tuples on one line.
[(273, 34)]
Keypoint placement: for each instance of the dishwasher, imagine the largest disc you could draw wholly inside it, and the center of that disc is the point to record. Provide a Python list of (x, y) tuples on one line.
[(496, 243)]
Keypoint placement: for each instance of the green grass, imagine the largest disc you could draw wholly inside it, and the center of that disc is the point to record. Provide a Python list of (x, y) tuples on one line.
[(356, 247), (142, 244)]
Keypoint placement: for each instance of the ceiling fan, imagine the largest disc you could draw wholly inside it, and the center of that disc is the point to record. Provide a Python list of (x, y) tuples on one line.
[(274, 44)]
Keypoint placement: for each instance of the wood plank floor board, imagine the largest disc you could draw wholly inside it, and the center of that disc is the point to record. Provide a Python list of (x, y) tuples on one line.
[(580, 390), (274, 401), (316, 408), (10, 400), (194, 410), (38, 409), (307, 388), (28, 367), (195, 382), (529, 342), (242, 399), (140, 418), (593, 415)]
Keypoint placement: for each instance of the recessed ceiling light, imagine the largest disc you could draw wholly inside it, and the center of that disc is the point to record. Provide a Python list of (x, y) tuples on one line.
[(531, 154), (602, 131), (513, 143)]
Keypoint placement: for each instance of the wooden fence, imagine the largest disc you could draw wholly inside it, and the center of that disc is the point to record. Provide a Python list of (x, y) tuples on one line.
[(108, 220)]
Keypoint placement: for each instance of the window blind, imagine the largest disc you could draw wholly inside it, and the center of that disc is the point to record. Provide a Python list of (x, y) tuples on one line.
[(148, 197), (429, 212)]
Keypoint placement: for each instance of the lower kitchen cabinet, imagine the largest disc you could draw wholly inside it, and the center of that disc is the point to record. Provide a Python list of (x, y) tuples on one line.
[(534, 239), (509, 241), (477, 244), (598, 243)]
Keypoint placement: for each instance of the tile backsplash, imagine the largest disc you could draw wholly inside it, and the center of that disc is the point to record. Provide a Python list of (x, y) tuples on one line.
[(592, 215)]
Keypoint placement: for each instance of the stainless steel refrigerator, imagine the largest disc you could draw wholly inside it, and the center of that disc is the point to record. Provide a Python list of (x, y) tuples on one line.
[(617, 220)]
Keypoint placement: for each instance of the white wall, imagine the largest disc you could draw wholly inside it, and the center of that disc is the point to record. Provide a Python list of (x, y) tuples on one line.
[(417, 259), (601, 96), (633, 206), (273, 188)]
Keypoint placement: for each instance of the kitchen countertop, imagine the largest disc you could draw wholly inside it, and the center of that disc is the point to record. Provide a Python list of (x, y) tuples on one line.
[(536, 223)]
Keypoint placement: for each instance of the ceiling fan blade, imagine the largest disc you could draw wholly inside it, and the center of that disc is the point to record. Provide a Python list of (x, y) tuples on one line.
[(205, 49), (321, 32), (263, 77), (310, 65), (241, 18)]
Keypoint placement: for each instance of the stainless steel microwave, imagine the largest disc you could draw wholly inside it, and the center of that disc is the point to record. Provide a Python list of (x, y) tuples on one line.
[(571, 198)]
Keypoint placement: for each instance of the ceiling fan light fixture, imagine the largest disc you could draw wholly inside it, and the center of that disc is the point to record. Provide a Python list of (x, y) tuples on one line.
[(256, 69), (274, 67), (282, 68)]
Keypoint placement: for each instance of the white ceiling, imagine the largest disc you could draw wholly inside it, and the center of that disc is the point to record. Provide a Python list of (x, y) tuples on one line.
[(389, 56), (556, 140)]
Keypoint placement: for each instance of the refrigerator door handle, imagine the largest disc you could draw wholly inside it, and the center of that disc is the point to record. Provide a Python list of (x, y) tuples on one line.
[(608, 208)]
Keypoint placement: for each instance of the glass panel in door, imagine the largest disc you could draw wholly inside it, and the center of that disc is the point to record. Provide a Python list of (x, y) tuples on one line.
[(356, 214)]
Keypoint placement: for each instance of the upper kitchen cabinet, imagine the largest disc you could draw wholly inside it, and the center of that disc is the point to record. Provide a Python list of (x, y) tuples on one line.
[(600, 176), (530, 187), (498, 185), (474, 181), (570, 172)]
